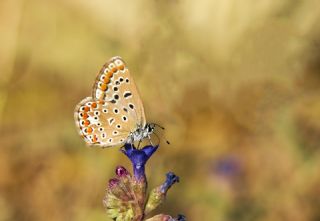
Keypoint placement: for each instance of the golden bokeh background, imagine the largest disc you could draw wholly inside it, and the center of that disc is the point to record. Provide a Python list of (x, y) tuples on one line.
[(235, 83)]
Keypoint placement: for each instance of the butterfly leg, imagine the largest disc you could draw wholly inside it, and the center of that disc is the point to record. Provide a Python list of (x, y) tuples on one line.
[(150, 140), (139, 144), (157, 137)]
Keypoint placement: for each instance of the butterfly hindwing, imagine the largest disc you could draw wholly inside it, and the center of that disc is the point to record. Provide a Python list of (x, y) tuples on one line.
[(98, 124)]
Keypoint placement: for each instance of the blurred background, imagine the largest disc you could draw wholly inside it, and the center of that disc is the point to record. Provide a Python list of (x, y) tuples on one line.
[(235, 83)]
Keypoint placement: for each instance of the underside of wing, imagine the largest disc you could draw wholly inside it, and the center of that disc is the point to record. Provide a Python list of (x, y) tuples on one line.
[(101, 123), (115, 84)]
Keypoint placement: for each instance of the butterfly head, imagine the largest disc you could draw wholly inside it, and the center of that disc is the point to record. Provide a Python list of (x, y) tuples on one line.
[(150, 128)]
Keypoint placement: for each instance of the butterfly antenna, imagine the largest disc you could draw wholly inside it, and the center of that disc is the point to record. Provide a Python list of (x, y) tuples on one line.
[(161, 127), (151, 140), (161, 135)]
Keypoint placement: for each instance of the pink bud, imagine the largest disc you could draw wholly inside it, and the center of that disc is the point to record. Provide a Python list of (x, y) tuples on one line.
[(121, 171)]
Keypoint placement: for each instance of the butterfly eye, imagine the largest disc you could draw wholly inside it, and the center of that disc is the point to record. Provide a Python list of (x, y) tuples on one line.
[(124, 118), (117, 82), (110, 140), (121, 79), (100, 129), (121, 140), (103, 135), (116, 96), (104, 110), (118, 126), (115, 88), (96, 118), (127, 80), (97, 113), (150, 128), (102, 77)]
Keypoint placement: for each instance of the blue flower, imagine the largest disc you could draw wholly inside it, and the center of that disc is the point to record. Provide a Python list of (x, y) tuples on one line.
[(139, 158)]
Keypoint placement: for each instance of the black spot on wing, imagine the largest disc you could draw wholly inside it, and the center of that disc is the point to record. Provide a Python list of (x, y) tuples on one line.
[(127, 94)]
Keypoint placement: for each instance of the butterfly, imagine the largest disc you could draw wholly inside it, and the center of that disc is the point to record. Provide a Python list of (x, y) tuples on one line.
[(114, 114)]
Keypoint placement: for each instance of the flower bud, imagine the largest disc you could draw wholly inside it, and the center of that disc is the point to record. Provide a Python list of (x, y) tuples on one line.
[(121, 171), (113, 183), (158, 194)]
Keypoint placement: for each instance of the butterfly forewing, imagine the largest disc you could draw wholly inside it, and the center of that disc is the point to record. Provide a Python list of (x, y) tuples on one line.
[(115, 109), (115, 84)]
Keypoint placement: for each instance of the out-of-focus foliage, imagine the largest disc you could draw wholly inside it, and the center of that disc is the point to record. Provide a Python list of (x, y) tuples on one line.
[(235, 83)]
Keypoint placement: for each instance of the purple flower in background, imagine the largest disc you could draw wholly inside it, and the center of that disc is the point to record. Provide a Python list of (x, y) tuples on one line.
[(227, 167)]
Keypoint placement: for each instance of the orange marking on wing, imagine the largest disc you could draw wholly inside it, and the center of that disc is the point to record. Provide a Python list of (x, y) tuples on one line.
[(89, 130), (86, 109), (121, 67), (106, 80), (94, 105), (103, 87), (94, 139), (109, 74), (86, 123), (84, 115), (114, 69), (101, 102)]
